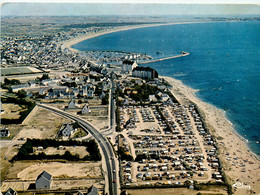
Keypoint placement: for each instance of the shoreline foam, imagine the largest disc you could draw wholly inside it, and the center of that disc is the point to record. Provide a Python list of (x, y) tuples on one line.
[(228, 140)]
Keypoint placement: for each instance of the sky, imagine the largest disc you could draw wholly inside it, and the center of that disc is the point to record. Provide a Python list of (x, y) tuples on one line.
[(144, 7)]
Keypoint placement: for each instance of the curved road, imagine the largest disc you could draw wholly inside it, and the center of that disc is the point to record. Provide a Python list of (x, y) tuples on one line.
[(104, 144)]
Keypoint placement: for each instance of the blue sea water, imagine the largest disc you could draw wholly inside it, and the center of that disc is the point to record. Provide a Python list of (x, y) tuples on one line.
[(224, 64)]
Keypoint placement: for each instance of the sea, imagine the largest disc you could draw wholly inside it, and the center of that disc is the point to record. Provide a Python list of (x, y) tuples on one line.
[(223, 65)]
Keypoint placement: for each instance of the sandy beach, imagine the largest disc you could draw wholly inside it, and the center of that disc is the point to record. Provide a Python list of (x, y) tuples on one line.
[(67, 44), (240, 164)]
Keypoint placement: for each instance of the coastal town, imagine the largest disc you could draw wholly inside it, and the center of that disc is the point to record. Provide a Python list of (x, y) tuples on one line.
[(104, 122)]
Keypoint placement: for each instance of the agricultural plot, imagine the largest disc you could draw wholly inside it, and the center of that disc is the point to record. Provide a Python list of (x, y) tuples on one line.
[(19, 70)]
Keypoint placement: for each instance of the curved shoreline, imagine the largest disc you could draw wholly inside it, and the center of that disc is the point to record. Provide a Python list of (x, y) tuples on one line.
[(69, 43), (228, 140)]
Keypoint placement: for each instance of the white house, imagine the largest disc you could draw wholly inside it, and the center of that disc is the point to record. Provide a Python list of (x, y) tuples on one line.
[(165, 97), (4, 133), (72, 104), (152, 98), (10, 191), (128, 66), (67, 131), (16, 88), (85, 109), (43, 181)]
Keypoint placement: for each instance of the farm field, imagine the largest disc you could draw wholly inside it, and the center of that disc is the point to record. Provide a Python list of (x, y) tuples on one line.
[(19, 70)]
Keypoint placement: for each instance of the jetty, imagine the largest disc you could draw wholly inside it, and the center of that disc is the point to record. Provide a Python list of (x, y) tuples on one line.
[(167, 58)]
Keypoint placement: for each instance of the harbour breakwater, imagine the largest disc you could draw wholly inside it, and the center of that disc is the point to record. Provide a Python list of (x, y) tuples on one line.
[(167, 58)]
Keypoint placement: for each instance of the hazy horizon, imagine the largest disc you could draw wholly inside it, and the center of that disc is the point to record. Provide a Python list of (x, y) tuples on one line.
[(126, 9)]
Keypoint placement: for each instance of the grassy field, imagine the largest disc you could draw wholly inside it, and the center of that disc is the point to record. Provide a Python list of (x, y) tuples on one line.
[(18, 70), (79, 133)]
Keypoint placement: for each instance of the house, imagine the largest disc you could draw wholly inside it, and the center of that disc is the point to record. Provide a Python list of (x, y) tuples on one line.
[(52, 95), (4, 133), (90, 93), (152, 98), (145, 72), (92, 190), (85, 109), (72, 104), (10, 191), (128, 66), (32, 83), (43, 181), (43, 90), (67, 130), (60, 89), (16, 88), (46, 81), (164, 97), (68, 95)]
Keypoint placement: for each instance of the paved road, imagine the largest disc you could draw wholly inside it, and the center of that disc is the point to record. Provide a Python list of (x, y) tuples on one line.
[(112, 106), (104, 144), (112, 120)]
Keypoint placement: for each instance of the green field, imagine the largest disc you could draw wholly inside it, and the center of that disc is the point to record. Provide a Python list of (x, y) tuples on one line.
[(18, 70)]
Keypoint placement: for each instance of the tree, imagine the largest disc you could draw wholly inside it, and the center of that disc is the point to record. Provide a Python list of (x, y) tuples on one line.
[(140, 157), (105, 100), (11, 82), (7, 81), (123, 155), (22, 94), (44, 77)]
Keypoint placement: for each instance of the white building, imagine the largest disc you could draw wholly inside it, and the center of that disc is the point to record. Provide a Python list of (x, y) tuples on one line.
[(128, 66), (152, 98), (43, 181), (144, 72), (72, 104), (67, 131), (85, 109)]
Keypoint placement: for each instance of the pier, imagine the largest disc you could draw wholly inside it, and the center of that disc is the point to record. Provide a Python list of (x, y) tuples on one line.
[(167, 58)]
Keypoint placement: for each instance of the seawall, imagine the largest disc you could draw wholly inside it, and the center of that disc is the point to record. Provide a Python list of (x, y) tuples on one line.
[(167, 58)]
